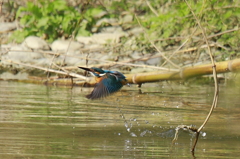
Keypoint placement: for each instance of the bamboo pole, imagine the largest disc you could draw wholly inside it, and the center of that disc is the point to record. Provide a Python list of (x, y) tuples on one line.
[(184, 73)]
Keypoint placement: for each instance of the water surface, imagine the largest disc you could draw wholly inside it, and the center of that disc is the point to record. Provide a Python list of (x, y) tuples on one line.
[(37, 121)]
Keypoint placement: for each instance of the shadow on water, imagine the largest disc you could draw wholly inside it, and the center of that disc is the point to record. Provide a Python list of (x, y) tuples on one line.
[(51, 122)]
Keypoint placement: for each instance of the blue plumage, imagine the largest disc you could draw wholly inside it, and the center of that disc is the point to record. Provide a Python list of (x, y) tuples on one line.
[(107, 82)]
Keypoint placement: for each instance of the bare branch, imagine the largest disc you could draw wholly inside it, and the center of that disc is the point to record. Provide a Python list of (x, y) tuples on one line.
[(49, 70)]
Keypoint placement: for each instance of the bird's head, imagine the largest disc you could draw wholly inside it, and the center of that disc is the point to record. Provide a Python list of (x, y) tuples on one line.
[(98, 72)]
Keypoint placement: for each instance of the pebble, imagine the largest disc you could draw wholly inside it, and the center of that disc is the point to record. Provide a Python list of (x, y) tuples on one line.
[(136, 31), (106, 38), (110, 21), (154, 61), (19, 54), (128, 18), (66, 45), (7, 26), (112, 29), (84, 39), (93, 47), (35, 43), (11, 76)]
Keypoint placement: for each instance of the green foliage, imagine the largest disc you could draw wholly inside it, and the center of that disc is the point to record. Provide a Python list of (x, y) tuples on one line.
[(53, 19), (176, 20)]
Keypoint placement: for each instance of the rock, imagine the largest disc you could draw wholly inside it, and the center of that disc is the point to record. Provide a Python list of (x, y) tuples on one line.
[(101, 14), (140, 70), (111, 21), (98, 56), (136, 55), (84, 39), (104, 38), (107, 35), (136, 31), (66, 45), (154, 61), (127, 18), (103, 58), (35, 43), (112, 29), (130, 42), (4, 27), (5, 48), (11, 76), (94, 47), (71, 59), (17, 53)]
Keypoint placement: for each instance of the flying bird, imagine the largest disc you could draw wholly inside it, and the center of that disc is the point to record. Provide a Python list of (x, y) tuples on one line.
[(108, 82)]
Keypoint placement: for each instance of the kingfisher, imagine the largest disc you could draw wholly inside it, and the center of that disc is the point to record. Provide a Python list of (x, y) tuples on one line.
[(107, 82)]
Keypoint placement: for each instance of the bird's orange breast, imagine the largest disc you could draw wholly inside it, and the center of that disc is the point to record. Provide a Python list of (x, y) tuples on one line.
[(99, 79)]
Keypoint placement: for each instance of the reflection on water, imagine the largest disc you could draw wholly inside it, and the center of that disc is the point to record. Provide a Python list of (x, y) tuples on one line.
[(37, 121)]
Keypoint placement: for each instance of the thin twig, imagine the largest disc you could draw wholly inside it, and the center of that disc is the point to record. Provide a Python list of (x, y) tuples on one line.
[(224, 32), (1, 4), (48, 73), (196, 140), (151, 8), (48, 70), (223, 7), (143, 66), (66, 53), (215, 99)]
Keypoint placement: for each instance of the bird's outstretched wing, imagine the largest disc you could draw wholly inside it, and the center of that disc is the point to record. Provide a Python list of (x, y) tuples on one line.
[(104, 88)]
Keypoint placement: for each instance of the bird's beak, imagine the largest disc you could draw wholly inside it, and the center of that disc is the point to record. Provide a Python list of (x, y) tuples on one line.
[(86, 69)]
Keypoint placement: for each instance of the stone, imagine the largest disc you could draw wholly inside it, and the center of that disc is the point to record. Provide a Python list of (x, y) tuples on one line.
[(84, 39), (127, 18), (140, 70), (106, 21), (71, 59), (35, 43), (66, 45), (136, 55), (154, 61), (11, 76), (17, 53), (105, 38), (136, 31), (101, 14), (4, 27), (93, 47), (112, 29)]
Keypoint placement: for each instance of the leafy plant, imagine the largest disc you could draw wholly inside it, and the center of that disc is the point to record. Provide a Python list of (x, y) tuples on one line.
[(174, 21), (53, 19)]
